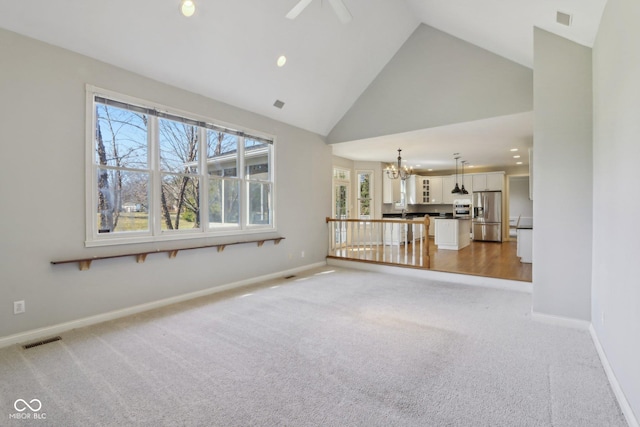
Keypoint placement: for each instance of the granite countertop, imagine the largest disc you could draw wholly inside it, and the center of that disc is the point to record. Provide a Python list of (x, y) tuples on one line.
[(451, 217)]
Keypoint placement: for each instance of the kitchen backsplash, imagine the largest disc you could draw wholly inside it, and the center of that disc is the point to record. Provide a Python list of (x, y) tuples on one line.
[(388, 208)]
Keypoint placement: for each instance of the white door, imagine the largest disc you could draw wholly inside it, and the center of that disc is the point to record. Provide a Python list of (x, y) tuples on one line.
[(341, 205)]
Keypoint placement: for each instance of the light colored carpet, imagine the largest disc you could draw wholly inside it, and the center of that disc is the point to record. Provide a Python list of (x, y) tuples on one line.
[(333, 347)]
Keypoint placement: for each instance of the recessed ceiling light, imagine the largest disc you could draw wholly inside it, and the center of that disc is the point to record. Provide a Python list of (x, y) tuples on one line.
[(514, 149), (281, 60), (430, 170), (516, 157), (187, 8), (518, 163)]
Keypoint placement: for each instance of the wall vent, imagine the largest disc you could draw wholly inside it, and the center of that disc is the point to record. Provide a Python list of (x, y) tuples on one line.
[(278, 104), (42, 342), (563, 18)]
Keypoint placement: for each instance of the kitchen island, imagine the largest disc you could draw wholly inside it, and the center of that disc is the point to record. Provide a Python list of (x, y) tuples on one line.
[(525, 243), (452, 233)]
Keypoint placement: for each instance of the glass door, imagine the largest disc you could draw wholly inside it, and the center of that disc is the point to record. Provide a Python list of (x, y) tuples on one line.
[(341, 200)]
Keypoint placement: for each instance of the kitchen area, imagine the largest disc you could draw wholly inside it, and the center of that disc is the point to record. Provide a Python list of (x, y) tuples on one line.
[(477, 212)]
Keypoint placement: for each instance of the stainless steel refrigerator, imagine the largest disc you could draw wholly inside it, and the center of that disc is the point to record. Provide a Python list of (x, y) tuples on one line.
[(487, 216)]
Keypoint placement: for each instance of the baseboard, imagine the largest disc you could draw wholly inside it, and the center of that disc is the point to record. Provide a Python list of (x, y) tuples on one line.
[(615, 386), (36, 334), (436, 276), (567, 322)]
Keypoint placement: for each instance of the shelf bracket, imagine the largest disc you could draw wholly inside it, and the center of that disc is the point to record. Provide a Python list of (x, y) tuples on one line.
[(140, 258), (84, 265)]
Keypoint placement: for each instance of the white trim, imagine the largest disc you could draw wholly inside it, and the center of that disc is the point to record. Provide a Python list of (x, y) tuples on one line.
[(439, 276), (155, 232), (613, 381), (47, 331), (566, 322)]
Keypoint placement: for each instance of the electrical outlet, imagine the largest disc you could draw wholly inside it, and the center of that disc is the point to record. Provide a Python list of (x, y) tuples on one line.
[(302, 254), (18, 307)]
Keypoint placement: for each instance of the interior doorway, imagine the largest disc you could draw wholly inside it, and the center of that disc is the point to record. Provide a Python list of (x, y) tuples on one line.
[(520, 205)]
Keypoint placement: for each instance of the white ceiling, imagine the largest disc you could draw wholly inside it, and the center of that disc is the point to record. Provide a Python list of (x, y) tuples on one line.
[(482, 143), (228, 49)]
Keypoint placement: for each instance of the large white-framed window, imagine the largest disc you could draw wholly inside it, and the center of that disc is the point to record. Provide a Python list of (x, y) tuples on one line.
[(156, 173)]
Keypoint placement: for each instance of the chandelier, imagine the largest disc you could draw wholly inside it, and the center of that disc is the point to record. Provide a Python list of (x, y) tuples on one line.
[(400, 171)]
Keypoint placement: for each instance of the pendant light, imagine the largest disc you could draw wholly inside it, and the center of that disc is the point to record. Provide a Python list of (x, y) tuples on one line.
[(463, 190), (456, 189)]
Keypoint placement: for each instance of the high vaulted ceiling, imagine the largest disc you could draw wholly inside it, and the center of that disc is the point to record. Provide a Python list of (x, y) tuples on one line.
[(228, 49)]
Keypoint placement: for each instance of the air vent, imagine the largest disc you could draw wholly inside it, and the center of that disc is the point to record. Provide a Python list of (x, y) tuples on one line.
[(43, 342), (563, 18), (278, 104)]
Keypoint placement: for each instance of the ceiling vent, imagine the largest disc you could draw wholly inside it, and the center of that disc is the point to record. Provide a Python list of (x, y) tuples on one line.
[(563, 18), (278, 104)]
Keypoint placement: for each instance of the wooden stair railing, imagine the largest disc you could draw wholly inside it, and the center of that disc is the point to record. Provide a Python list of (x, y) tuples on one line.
[(380, 241)]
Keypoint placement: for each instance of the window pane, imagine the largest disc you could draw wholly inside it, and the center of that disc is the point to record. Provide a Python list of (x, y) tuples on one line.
[(259, 203), (121, 138), (222, 154), (178, 146), (341, 174), (123, 201), (224, 202), (364, 195), (256, 159), (179, 202)]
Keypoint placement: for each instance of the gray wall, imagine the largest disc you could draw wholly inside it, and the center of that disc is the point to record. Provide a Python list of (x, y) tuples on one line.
[(519, 202), (616, 235), (42, 189), (562, 177), (436, 79)]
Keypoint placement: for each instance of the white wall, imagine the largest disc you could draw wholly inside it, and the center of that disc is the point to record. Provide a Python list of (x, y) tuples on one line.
[(616, 233), (562, 177), (519, 202), (436, 79), (42, 191)]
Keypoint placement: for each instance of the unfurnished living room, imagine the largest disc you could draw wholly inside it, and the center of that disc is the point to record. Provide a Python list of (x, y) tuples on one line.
[(176, 175)]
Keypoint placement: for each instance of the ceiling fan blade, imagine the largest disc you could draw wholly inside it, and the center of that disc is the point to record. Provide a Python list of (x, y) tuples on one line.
[(297, 9), (341, 10)]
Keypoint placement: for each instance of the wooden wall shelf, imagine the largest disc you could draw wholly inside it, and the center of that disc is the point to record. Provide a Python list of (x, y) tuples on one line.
[(85, 263)]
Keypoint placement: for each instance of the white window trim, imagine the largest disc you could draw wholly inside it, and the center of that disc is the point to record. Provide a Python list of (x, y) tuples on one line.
[(156, 234), (371, 191)]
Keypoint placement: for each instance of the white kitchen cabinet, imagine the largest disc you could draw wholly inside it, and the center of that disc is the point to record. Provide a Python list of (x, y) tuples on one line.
[(391, 192), (435, 190), (495, 181), (448, 182), (490, 181), (415, 188), (452, 234)]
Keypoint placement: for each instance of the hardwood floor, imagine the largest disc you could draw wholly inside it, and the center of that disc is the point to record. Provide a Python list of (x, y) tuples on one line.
[(489, 259)]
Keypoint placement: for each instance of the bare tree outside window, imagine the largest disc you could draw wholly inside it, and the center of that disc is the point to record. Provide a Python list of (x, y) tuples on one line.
[(121, 149), (156, 173)]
